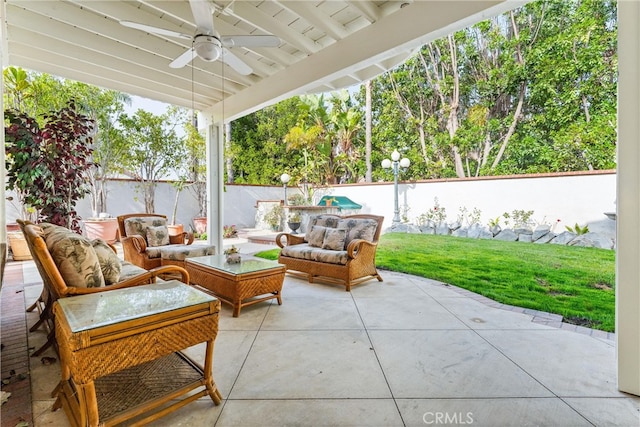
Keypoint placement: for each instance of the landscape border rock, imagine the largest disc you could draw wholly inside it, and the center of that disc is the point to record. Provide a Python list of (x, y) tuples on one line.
[(541, 234)]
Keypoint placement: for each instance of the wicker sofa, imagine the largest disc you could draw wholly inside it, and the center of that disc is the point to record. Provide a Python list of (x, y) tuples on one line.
[(337, 249)]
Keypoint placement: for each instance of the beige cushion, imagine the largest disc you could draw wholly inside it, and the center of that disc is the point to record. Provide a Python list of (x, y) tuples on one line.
[(137, 225), (48, 228), (109, 261), (75, 258), (358, 228), (334, 239), (316, 236), (157, 236), (321, 220), (304, 251), (181, 252), (130, 270)]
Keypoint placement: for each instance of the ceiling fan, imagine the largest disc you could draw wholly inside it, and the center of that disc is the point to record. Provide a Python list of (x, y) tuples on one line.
[(206, 43)]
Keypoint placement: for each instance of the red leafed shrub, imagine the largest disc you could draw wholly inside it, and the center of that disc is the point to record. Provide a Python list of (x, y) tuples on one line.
[(47, 164)]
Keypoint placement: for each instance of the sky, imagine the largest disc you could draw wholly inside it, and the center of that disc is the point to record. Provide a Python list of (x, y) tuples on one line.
[(137, 103)]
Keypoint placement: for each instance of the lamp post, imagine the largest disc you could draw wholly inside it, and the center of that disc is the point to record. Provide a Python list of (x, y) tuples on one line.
[(395, 163), (285, 178)]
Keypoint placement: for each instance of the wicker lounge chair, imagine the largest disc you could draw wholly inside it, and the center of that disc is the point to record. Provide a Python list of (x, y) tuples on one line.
[(55, 279), (146, 243)]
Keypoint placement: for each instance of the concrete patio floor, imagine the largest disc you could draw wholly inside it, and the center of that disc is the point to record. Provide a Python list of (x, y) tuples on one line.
[(404, 352)]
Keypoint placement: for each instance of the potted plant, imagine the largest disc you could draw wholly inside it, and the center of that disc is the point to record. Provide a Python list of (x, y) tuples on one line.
[(297, 200), (274, 217), (229, 232), (47, 164), (294, 222), (176, 229), (233, 255), (330, 201), (197, 170)]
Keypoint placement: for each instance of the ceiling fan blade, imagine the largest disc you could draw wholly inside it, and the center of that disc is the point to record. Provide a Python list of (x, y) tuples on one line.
[(250, 41), (236, 63), (154, 30), (183, 59), (202, 15)]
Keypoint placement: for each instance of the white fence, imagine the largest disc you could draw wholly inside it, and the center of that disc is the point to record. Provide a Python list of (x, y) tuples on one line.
[(571, 198)]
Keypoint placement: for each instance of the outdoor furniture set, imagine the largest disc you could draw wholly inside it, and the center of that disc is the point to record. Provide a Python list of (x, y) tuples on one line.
[(119, 328)]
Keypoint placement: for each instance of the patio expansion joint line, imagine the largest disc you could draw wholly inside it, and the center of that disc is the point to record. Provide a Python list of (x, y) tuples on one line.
[(235, 380), (375, 353), (518, 365), (476, 332)]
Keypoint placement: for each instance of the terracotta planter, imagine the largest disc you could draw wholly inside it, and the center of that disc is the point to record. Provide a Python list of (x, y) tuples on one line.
[(200, 224), (18, 245), (105, 229), (175, 230), (13, 226)]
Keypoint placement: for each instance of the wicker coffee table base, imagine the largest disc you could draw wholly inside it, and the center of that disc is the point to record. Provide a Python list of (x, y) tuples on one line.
[(140, 394), (132, 371)]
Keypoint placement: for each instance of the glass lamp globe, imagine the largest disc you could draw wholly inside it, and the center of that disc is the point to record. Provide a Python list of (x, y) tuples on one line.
[(395, 155), (386, 163), (404, 163), (285, 178)]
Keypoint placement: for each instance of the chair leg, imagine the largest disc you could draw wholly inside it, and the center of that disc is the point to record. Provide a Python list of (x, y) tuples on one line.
[(35, 304), (37, 324), (51, 341), (44, 307)]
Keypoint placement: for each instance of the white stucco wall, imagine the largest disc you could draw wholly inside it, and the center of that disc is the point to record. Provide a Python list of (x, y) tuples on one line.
[(572, 198), (581, 199)]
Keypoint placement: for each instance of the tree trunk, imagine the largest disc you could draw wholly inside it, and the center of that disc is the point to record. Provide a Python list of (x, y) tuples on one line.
[(368, 125), (454, 105), (523, 86), (512, 126), (229, 159)]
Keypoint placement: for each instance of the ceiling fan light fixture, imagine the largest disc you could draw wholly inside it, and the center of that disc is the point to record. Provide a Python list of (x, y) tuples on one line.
[(208, 48)]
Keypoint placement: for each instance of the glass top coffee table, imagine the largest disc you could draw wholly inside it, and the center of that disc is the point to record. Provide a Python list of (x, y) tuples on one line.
[(249, 282)]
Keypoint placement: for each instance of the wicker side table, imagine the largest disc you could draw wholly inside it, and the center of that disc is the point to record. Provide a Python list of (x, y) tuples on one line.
[(119, 353), (237, 284)]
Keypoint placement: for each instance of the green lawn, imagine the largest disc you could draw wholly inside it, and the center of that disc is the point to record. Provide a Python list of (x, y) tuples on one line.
[(577, 283)]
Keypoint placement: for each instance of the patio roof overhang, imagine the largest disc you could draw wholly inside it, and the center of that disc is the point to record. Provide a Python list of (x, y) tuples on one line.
[(325, 45)]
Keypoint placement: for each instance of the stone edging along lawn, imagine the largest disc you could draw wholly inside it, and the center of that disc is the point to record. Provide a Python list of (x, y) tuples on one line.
[(541, 234)]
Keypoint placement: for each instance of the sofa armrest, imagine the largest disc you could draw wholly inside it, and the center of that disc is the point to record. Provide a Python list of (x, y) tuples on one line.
[(136, 242), (141, 279), (184, 238), (356, 246), (291, 239)]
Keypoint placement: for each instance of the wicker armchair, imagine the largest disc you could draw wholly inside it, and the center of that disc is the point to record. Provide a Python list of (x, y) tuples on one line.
[(349, 261), (139, 250), (56, 287)]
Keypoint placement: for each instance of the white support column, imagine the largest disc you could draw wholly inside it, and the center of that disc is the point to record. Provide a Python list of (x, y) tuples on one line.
[(215, 182), (628, 199)]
